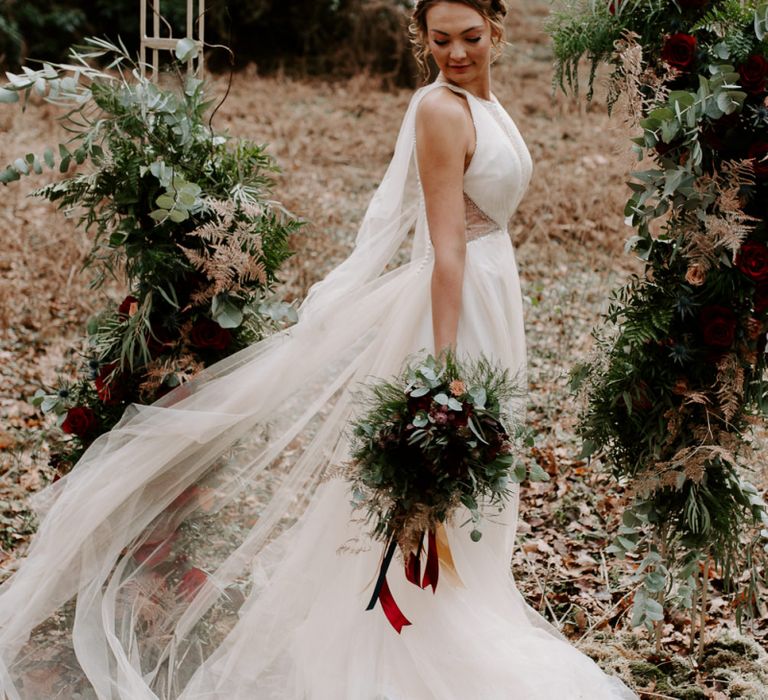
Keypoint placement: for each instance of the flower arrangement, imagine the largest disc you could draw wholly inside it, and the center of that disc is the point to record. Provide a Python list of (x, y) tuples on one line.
[(679, 373), (179, 211), (441, 435)]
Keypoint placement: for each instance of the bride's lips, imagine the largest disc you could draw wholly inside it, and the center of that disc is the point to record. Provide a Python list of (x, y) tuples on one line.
[(460, 68)]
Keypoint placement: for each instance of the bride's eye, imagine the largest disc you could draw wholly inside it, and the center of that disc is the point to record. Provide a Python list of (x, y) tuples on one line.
[(440, 43), (475, 39)]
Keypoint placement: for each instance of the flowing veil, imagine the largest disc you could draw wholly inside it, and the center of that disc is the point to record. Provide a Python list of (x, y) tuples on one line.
[(145, 550), (189, 544)]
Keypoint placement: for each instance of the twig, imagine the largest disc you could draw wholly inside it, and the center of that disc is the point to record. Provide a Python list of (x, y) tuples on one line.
[(703, 619), (695, 603), (606, 615), (538, 583)]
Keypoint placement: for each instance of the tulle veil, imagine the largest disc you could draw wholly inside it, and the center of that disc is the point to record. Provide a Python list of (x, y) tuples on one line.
[(145, 550)]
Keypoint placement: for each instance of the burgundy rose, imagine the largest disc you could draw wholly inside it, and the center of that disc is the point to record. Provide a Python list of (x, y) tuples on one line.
[(718, 326), (758, 152), (109, 390), (418, 403), (460, 418), (754, 72), (760, 300), (159, 341), (191, 582), (208, 334), (679, 50), (752, 260), (80, 421), (152, 554), (663, 148), (125, 305)]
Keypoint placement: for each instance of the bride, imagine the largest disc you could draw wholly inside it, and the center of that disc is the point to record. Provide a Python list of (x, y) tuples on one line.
[(202, 549)]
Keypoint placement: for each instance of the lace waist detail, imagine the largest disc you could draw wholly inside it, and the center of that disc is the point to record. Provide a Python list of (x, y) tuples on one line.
[(478, 223)]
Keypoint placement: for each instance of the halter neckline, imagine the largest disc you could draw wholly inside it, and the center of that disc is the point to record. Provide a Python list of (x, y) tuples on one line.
[(441, 79)]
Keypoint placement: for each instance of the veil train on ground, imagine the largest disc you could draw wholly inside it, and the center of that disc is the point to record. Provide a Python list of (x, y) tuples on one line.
[(193, 551)]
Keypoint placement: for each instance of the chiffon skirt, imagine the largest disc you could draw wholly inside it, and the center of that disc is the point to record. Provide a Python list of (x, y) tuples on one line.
[(292, 569)]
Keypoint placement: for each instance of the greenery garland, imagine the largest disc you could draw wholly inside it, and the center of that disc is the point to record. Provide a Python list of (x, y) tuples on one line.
[(178, 210), (678, 376)]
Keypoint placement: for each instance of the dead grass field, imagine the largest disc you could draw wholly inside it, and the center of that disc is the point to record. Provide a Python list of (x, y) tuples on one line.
[(333, 141)]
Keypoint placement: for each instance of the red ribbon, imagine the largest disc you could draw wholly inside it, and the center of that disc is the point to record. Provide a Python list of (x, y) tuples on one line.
[(432, 569), (413, 563), (413, 569), (381, 590), (393, 613)]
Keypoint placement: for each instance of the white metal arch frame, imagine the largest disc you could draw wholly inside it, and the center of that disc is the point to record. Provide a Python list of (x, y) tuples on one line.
[(156, 42)]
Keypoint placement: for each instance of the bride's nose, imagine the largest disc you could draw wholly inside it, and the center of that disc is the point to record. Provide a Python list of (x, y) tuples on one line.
[(458, 53)]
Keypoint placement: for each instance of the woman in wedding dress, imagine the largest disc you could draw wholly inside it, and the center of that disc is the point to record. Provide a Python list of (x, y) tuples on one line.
[(202, 549)]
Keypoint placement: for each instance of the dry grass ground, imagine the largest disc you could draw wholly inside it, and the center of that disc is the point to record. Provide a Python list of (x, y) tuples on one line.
[(333, 141)]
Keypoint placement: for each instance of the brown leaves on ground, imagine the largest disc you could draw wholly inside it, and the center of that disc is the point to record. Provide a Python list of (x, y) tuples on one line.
[(333, 141)]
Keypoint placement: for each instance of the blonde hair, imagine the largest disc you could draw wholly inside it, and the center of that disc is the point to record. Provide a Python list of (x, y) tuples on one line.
[(493, 10)]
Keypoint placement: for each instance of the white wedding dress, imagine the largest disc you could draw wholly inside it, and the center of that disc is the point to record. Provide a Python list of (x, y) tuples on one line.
[(198, 550)]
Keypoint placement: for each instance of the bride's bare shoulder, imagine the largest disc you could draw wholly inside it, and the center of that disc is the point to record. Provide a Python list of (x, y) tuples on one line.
[(443, 103), (443, 114)]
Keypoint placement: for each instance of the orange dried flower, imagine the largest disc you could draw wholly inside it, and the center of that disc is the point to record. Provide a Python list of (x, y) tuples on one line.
[(457, 387), (696, 275)]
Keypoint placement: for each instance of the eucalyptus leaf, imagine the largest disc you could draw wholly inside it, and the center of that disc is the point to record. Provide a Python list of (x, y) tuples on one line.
[(536, 473), (226, 314), (186, 49), (178, 215), (8, 96), (761, 21), (165, 201), (455, 405)]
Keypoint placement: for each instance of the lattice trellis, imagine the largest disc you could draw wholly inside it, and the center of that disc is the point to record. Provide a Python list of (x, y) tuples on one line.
[(158, 43)]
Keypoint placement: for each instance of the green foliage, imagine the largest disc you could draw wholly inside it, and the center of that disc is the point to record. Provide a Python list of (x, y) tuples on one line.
[(181, 212), (440, 435), (679, 367)]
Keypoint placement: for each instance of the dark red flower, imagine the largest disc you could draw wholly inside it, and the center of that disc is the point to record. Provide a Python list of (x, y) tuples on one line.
[(80, 421), (460, 418), (159, 341), (153, 554), (191, 582), (718, 326), (208, 334), (110, 391), (679, 50), (752, 260), (125, 305), (418, 403), (186, 496), (754, 72), (758, 152), (613, 6), (760, 300)]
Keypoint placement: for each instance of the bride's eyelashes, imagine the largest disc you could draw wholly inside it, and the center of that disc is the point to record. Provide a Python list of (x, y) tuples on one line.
[(473, 40)]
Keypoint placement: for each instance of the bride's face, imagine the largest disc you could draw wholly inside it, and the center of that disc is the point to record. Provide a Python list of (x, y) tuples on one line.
[(460, 40)]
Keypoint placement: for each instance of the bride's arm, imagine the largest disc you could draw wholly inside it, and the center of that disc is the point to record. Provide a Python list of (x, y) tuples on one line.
[(441, 145)]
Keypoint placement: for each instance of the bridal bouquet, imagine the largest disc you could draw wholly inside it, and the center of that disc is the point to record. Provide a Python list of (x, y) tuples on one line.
[(435, 438)]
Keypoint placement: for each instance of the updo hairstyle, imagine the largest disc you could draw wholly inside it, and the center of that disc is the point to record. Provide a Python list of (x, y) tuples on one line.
[(493, 10)]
